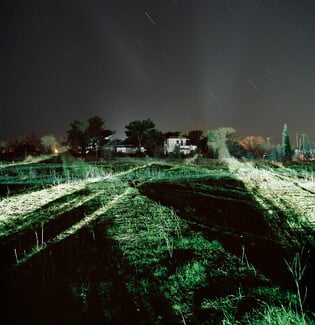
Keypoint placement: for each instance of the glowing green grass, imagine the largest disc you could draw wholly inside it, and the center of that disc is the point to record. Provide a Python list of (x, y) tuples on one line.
[(16, 211), (284, 192), (162, 260), (27, 160), (76, 227), (166, 261), (16, 206)]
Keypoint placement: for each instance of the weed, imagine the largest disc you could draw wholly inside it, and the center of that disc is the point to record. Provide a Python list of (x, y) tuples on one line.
[(297, 270), (244, 257), (16, 256), (36, 237), (227, 306), (278, 315)]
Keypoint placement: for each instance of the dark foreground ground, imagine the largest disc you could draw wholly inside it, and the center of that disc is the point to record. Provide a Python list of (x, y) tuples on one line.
[(139, 242)]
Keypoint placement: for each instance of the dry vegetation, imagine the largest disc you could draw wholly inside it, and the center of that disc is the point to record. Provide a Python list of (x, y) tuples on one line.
[(157, 242)]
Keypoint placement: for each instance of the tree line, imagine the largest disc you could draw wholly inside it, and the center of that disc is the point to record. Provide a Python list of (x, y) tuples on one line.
[(224, 143), (93, 138)]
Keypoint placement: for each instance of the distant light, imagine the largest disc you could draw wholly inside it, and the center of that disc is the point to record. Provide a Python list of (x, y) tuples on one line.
[(56, 151)]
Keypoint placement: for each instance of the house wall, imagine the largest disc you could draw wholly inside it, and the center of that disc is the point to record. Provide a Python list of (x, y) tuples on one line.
[(129, 150), (170, 145)]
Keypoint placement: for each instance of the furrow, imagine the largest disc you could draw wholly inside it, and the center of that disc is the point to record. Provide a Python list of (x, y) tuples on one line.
[(76, 227)]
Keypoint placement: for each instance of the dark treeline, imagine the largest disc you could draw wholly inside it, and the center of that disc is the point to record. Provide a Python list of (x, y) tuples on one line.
[(93, 139)]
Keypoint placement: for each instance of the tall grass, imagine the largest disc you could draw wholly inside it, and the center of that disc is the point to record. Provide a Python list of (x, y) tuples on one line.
[(283, 315), (297, 271)]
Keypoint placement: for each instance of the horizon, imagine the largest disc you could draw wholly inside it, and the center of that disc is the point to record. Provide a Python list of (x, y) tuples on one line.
[(118, 136)]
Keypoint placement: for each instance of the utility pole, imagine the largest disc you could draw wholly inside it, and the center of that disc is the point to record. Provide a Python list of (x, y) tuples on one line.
[(303, 141), (297, 140), (268, 143)]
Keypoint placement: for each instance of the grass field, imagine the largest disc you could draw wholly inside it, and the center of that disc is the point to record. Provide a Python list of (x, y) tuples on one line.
[(141, 241)]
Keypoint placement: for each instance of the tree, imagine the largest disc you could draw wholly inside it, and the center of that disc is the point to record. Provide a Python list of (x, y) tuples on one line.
[(275, 153), (154, 143), (3, 146), (32, 141), (26, 145), (203, 146), (95, 135), (138, 132), (48, 143), (217, 142), (76, 136), (171, 134), (287, 151), (90, 138), (96, 129), (254, 146), (235, 148), (195, 136)]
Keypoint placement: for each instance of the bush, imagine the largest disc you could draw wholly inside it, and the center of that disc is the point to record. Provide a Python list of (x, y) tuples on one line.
[(48, 143)]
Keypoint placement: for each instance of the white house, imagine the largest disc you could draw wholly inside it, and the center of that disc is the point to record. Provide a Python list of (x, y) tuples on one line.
[(171, 144), (129, 149), (94, 144)]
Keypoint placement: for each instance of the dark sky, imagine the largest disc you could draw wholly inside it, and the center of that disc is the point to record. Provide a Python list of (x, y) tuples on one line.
[(197, 64)]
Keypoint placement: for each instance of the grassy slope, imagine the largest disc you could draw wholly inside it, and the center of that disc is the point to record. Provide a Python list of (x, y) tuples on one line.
[(286, 196), (192, 278), (172, 272)]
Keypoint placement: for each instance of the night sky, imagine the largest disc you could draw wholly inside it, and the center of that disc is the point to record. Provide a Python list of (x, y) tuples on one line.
[(197, 64)]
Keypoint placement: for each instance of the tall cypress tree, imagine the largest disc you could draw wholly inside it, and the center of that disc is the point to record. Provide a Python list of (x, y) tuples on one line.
[(287, 151)]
